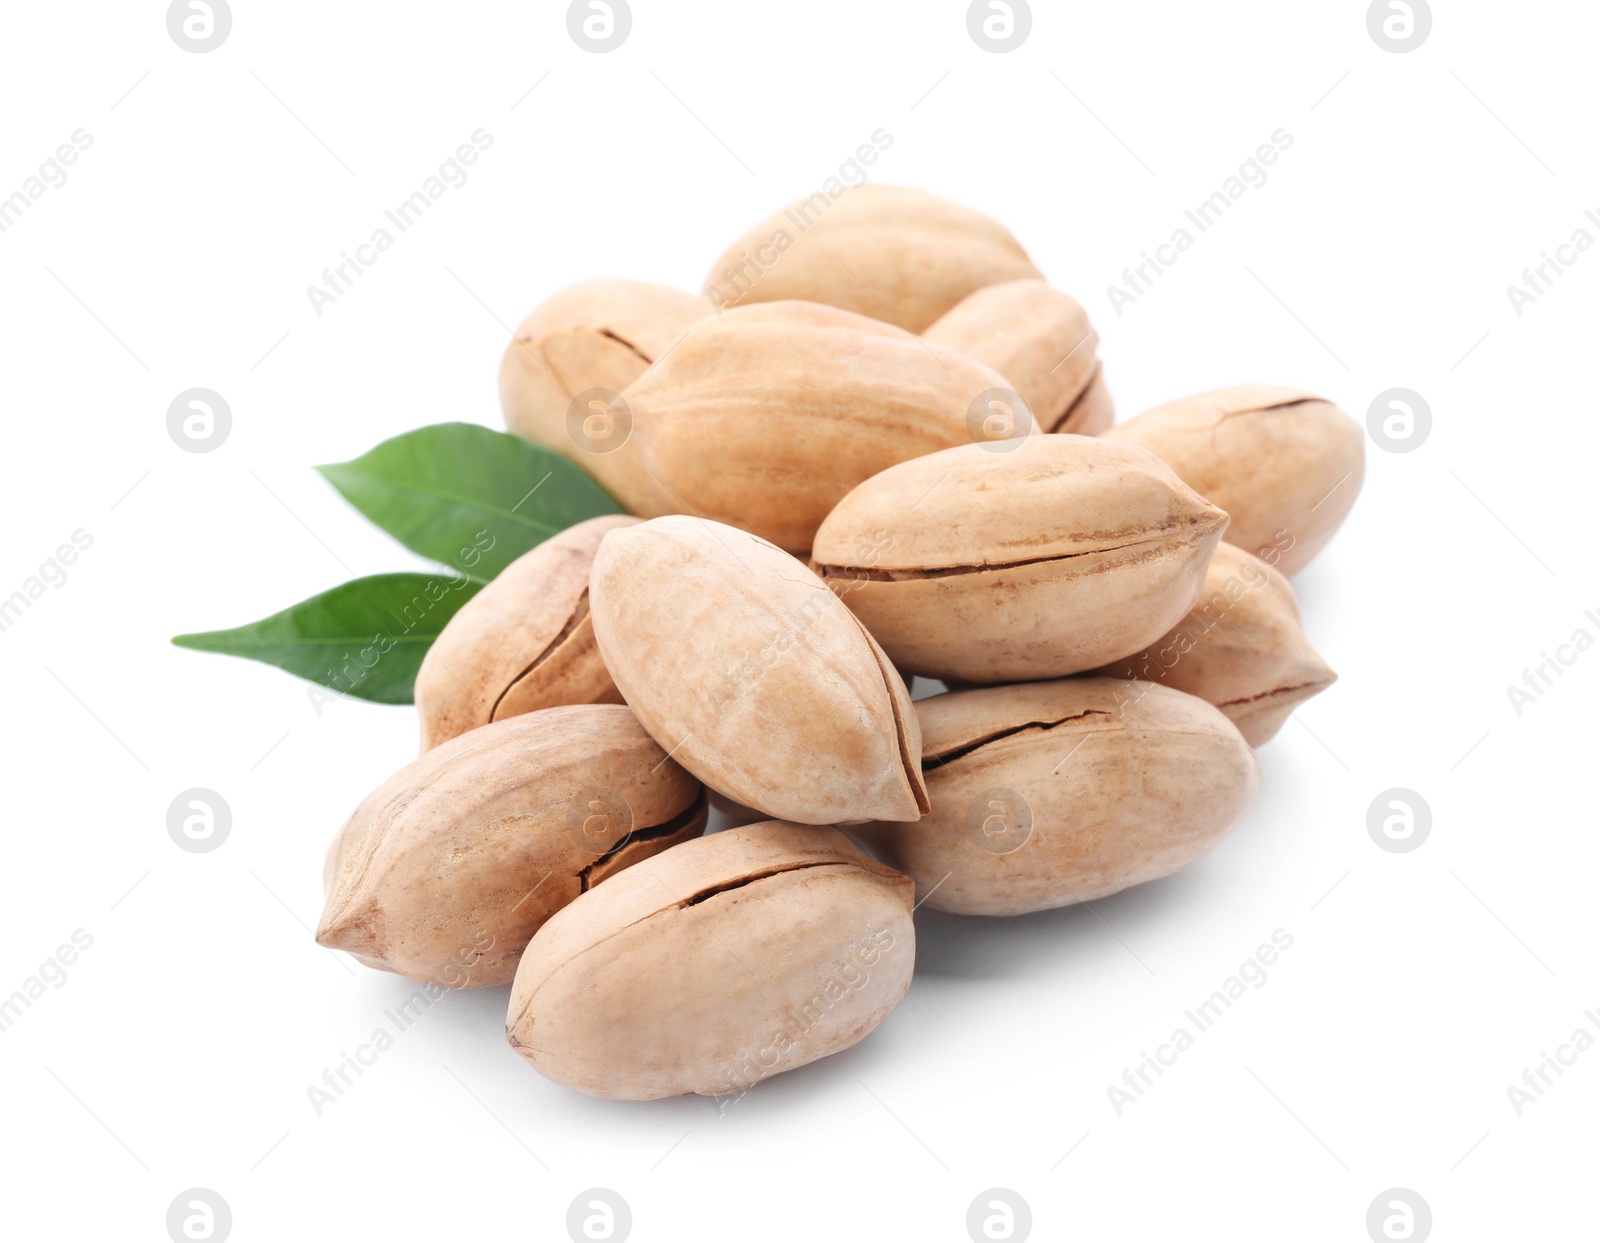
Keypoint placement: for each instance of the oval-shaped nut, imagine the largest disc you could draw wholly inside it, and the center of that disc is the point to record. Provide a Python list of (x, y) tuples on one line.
[(1042, 342), (765, 417), (900, 255), (449, 867), (1286, 466), (523, 643), (1240, 648), (598, 334), (991, 564), (719, 963), (753, 675), (1050, 793)]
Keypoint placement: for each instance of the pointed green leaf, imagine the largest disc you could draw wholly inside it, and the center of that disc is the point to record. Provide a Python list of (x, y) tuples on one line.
[(366, 638), (468, 496)]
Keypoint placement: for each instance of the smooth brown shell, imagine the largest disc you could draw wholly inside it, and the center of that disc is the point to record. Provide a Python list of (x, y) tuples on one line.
[(993, 563), (900, 255), (1046, 794), (1042, 342), (1286, 466), (715, 965), (448, 868), (753, 675), (523, 643), (597, 334), (765, 418), (1240, 648)]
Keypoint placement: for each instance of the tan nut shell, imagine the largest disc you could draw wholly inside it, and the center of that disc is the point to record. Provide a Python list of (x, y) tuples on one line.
[(1286, 466), (753, 675), (1050, 793), (523, 643), (1049, 558), (715, 965), (1042, 342), (449, 867), (900, 255), (597, 334), (765, 417), (1240, 648)]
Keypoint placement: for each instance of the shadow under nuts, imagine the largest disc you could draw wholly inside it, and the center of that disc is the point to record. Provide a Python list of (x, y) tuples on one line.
[(715, 965), (1050, 793), (753, 675), (1286, 466), (1031, 559), (1240, 648), (594, 335), (523, 643), (1042, 342), (765, 417), (448, 868), (900, 255)]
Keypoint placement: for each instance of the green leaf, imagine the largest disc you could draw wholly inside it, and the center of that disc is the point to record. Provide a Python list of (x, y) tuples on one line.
[(468, 496), (366, 638)]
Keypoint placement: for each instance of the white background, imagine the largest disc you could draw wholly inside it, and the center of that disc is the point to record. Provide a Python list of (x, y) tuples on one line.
[(178, 1052)]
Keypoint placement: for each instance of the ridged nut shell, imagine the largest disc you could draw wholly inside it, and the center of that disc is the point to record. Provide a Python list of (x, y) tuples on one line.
[(1286, 466), (1241, 648), (523, 643), (765, 417), (1046, 794), (447, 870), (900, 255), (753, 675), (1003, 564), (597, 334), (716, 965), (1042, 342)]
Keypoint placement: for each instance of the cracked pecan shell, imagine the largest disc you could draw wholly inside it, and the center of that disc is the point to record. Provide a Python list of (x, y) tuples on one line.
[(594, 335), (448, 868), (1287, 466), (1042, 342), (1239, 648), (1030, 559), (1046, 794), (715, 965), (523, 643)]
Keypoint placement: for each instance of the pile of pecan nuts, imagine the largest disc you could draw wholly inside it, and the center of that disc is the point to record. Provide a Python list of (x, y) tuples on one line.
[(880, 448)]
